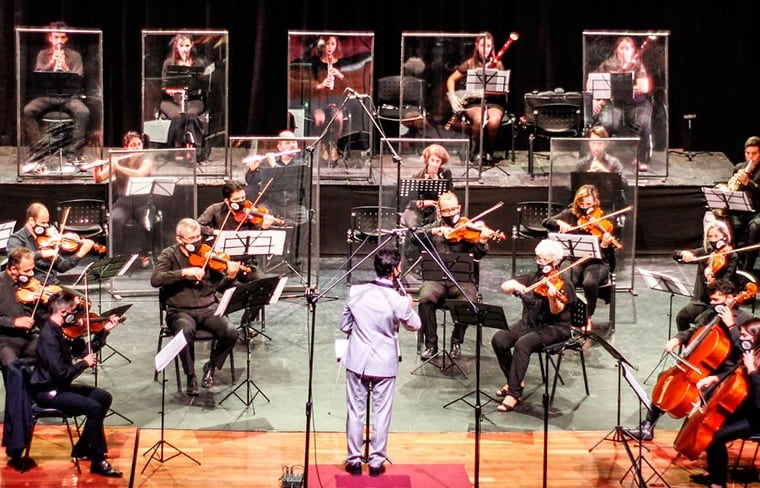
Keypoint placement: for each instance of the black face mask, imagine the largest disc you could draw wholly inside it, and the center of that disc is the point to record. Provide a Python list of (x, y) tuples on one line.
[(718, 245), (194, 246), (69, 318), (746, 346), (544, 268), (451, 220), (40, 230), (236, 206), (23, 279)]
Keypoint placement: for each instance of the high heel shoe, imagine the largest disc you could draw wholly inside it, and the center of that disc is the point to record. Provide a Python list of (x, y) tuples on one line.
[(502, 392), (508, 404)]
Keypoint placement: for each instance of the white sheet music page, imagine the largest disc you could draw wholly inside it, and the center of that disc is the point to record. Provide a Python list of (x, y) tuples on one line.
[(165, 356)]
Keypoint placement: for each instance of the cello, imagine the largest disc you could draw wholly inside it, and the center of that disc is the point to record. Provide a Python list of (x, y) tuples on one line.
[(676, 392)]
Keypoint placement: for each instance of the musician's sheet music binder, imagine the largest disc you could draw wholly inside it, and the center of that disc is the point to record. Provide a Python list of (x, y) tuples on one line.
[(57, 83), (422, 188), (251, 242), (493, 315), (265, 291), (718, 199), (182, 77), (151, 185), (578, 245), (497, 81), (611, 86)]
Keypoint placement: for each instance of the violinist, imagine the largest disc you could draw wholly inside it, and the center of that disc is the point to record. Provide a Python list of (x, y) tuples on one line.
[(717, 240), (189, 291), (545, 320), (18, 337), (371, 318), (745, 420), (592, 274), (36, 230), (53, 378), (433, 293), (723, 308)]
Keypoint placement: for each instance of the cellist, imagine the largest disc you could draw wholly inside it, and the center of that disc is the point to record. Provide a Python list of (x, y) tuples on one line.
[(595, 272), (745, 421), (722, 293), (717, 238)]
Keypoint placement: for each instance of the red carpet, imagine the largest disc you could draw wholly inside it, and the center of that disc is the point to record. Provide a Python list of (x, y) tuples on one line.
[(395, 476)]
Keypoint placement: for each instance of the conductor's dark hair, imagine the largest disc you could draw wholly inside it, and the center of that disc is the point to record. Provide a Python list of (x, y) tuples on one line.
[(385, 261)]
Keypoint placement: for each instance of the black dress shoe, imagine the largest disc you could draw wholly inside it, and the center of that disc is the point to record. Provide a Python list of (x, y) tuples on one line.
[(376, 471), (645, 432), (192, 385), (104, 468), (700, 479), (354, 469), (456, 351), (428, 353), (208, 375)]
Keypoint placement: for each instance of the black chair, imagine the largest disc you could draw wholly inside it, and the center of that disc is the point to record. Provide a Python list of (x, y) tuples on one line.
[(410, 111), (553, 120), (365, 225), (164, 332), (530, 215), (556, 352), (39, 413), (752, 468), (6, 229), (87, 217)]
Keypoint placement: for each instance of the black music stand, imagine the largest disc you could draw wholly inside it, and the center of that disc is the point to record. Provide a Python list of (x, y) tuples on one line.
[(152, 186), (421, 188), (639, 459), (250, 296), (488, 316), (669, 284), (578, 246), (161, 360), (725, 200), (487, 81)]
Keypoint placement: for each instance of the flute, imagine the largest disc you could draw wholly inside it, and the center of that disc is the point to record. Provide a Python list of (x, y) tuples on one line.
[(260, 157)]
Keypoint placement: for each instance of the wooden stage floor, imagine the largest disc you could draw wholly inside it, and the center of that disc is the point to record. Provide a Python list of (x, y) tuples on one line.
[(257, 459)]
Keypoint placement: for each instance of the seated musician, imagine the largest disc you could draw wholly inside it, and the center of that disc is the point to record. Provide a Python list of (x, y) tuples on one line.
[(482, 54), (745, 421), (595, 272), (545, 320), (18, 335), (433, 293), (38, 235), (717, 239), (189, 288), (53, 377), (723, 301)]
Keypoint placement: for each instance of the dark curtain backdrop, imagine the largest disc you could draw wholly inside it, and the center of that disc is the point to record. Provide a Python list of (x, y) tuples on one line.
[(712, 58)]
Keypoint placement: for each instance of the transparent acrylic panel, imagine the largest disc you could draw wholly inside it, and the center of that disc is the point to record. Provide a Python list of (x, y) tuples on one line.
[(575, 162), (432, 57), (283, 187), (323, 68), (627, 74), (59, 100), (185, 100), (145, 210)]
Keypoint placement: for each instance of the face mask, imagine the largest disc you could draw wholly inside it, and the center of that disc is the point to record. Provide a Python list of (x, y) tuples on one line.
[(23, 279), (40, 230), (69, 318), (717, 244), (236, 206), (451, 219), (746, 346), (544, 268), (194, 246)]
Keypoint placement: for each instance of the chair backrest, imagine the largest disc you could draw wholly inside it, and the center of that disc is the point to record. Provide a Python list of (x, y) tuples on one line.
[(367, 220), (578, 313), (558, 118), (389, 90), (531, 214), (85, 212)]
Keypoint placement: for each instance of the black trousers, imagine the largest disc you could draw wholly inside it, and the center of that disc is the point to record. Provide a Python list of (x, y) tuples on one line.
[(433, 294)]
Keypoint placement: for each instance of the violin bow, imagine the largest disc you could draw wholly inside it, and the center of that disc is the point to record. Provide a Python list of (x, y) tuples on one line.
[(603, 217), (57, 248), (253, 205), (216, 238), (559, 272), (480, 215), (723, 253)]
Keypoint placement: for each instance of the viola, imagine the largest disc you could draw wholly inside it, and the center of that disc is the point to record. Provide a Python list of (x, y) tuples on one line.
[(34, 291), (596, 225), (215, 260), (675, 391), (255, 215), (699, 430), (469, 231), (69, 242)]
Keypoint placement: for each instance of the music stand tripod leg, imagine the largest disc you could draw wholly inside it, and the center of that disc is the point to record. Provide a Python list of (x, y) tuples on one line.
[(248, 382)]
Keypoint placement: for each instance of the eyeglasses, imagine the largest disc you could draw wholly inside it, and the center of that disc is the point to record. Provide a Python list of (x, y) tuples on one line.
[(542, 260), (449, 211)]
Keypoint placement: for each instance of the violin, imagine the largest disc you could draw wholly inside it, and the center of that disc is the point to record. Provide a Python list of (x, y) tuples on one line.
[(469, 231), (718, 261), (675, 391), (79, 327), (255, 215), (34, 291), (699, 430), (217, 261), (69, 242), (554, 280), (596, 225)]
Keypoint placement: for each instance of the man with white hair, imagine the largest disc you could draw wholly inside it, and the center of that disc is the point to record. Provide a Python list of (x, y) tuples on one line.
[(545, 319)]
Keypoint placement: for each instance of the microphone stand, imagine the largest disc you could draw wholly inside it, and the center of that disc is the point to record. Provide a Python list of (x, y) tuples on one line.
[(311, 147)]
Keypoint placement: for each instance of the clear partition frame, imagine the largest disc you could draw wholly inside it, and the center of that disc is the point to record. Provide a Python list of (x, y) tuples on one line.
[(569, 169), (433, 56), (318, 95), (144, 211), (210, 51), (642, 69), (285, 192), (54, 147)]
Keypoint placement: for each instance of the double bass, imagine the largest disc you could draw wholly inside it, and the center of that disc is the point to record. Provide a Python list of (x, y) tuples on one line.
[(676, 392)]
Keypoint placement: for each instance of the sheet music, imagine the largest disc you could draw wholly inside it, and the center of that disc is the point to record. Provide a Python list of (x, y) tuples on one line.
[(664, 282), (165, 356), (341, 346), (278, 290), (224, 302)]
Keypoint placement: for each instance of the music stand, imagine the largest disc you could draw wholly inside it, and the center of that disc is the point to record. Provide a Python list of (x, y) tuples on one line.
[(726, 200), (488, 316), (162, 359), (251, 243), (669, 284), (255, 294), (486, 81), (578, 245), (636, 461), (421, 188), (62, 84)]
